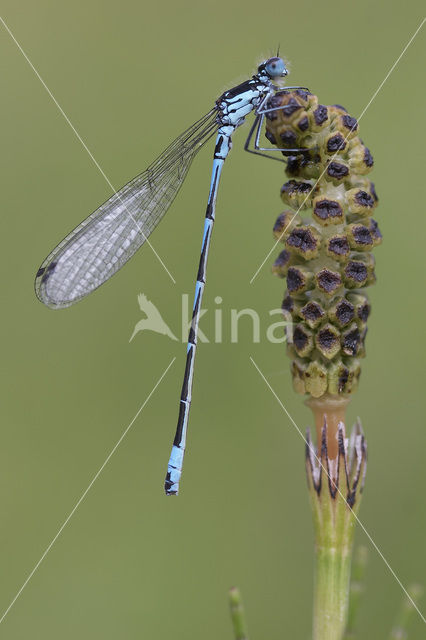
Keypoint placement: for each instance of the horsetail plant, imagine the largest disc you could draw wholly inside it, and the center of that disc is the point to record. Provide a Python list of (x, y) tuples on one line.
[(327, 262)]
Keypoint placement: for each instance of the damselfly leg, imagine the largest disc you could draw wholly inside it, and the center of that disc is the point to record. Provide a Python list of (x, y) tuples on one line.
[(266, 110)]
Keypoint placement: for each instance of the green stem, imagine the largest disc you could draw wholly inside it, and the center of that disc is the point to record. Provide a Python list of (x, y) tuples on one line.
[(405, 614), (333, 566), (356, 590), (237, 614)]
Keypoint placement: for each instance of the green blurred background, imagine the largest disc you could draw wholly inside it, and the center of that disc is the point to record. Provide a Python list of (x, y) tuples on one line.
[(131, 563)]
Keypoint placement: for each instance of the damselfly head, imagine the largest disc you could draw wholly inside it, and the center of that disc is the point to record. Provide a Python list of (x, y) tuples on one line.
[(273, 68)]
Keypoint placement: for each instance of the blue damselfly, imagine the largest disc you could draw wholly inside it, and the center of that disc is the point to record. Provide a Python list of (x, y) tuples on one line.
[(98, 247)]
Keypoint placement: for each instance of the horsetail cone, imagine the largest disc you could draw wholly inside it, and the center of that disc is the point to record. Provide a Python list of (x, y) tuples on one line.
[(327, 258)]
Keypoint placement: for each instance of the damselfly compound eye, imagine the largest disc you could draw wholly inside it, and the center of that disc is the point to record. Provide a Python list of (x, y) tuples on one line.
[(275, 68)]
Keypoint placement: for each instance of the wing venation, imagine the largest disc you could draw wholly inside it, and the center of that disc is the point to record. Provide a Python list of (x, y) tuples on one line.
[(100, 245)]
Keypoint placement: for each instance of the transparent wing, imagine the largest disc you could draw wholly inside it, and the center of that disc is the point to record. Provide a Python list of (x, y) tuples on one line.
[(100, 245)]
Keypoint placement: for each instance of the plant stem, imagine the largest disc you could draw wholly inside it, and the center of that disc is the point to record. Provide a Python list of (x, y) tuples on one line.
[(332, 410), (335, 475), (405, 614), (237, 614), (331, 596), (356, 590)]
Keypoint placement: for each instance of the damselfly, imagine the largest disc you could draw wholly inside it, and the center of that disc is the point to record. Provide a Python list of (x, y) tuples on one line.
[(96, 249)]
